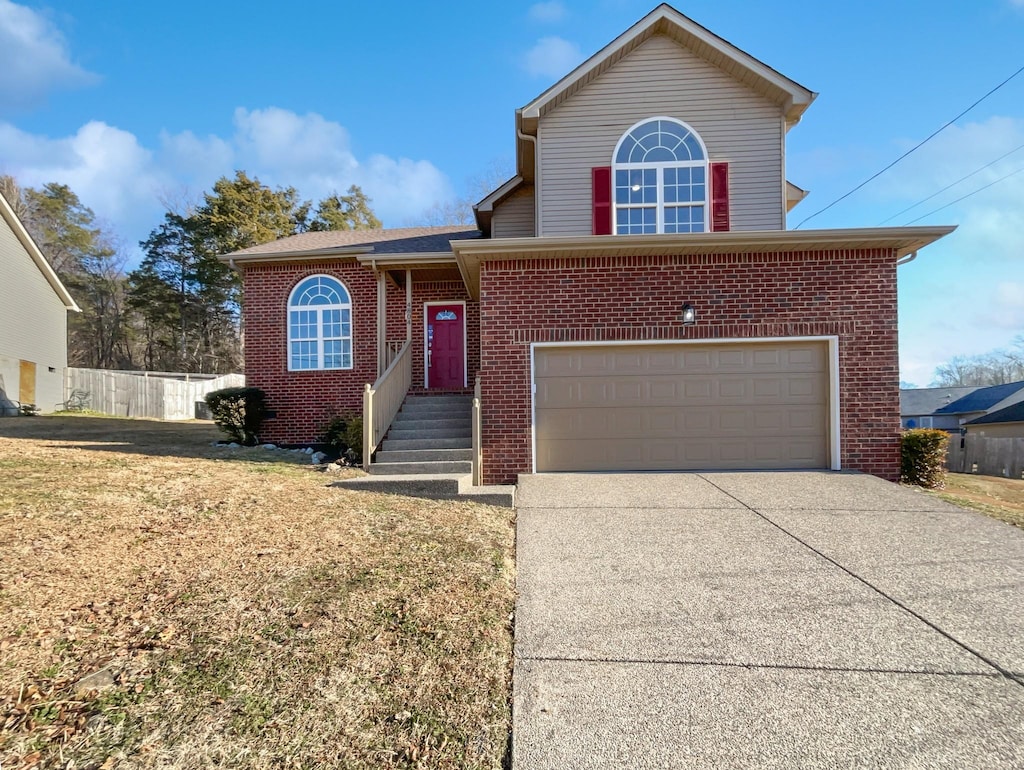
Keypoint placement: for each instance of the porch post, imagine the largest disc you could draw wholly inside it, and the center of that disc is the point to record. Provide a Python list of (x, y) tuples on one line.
[(408, 305), (382, 324)]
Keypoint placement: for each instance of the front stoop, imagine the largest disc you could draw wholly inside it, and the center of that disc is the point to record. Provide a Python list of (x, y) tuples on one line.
[(428, 453)]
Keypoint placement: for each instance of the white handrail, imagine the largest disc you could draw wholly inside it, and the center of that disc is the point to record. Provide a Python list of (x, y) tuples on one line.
[(478, 455), (383, 399)]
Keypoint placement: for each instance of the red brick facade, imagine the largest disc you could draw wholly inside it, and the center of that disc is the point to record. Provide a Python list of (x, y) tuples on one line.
[(851, 295), (304, 401)]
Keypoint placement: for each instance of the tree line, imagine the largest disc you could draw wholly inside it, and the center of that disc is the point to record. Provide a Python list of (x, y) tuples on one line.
[(179, 310), (997, 367)]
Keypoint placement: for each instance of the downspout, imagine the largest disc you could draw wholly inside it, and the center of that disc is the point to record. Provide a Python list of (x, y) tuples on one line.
[(536, 178), (907, 259)]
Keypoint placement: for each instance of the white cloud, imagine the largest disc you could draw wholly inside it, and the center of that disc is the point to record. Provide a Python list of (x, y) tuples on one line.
[(33, 59), (552, 57), (125, 182), (551, 12)]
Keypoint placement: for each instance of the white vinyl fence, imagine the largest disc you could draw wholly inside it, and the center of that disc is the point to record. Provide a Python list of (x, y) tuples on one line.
[(164, 395)]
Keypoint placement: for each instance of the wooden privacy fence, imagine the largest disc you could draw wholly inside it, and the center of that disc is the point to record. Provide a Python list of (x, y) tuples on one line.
[(163, 395), (987, 455)]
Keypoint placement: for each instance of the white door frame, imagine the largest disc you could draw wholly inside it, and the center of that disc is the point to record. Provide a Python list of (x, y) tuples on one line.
[(465, 340)]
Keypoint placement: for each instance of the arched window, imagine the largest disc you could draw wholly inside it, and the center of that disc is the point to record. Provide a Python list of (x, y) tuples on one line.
[(660, 178), (319, 325)]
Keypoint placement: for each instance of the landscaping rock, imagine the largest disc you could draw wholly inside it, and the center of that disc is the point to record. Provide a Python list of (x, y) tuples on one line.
[(268, 446), (103, 679), (318, 458)]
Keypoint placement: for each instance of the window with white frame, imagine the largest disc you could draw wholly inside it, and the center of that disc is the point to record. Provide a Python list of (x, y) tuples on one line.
[(319, 325), (660, 179)]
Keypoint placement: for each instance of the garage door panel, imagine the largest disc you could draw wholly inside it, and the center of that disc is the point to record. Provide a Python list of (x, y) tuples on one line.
[(758, 405), (678, 424), (645, 454)]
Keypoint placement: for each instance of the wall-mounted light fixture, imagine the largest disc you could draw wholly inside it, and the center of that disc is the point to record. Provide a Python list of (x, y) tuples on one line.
[(689, 315)]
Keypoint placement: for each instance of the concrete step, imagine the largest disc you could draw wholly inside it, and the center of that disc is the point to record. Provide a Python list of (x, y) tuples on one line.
[(423, 468), (428, 433), (448, 486), (422, 455), (439, 423), (428, 406), (403, 444), (438, 401)]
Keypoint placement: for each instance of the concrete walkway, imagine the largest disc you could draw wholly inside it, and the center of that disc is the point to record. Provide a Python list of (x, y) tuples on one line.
[(753, 620)]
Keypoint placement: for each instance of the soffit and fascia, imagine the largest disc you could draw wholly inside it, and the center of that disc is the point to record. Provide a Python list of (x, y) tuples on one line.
[(902, 241)]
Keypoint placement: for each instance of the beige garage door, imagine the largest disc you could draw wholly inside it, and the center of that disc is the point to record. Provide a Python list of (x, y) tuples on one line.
[(682, 407)]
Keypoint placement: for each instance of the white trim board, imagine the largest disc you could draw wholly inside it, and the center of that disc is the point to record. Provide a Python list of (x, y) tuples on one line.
[(465, 341)]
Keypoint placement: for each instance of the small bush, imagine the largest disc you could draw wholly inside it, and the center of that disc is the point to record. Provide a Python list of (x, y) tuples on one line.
[(923, 460), (343, 434), (239, 412)]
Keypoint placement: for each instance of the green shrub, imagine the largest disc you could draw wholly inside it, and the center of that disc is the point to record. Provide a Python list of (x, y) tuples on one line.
[(343, 434), (239, 412), (923, 460)]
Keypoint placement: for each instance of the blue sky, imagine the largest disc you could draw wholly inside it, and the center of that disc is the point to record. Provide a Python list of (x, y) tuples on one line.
[(135, 103)]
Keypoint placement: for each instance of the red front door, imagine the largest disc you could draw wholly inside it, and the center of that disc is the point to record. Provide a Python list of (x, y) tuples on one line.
[(446, 346)]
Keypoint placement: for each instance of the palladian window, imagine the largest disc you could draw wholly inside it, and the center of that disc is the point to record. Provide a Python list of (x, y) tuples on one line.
[(660, 179), (319, 325)]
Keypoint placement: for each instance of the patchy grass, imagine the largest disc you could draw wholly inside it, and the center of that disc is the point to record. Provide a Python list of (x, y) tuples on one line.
[(239, 611), (1000, 498)]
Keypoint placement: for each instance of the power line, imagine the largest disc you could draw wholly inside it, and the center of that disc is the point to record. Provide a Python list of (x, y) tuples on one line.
[(954, 184), (963, 197), (912, 149)]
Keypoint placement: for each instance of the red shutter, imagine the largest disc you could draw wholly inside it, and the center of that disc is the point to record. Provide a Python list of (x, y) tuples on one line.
[(601, 195), (719, 197)]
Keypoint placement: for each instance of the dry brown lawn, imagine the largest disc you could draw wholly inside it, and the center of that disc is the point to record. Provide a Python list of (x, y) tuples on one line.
[(998, 497), (241, 613)]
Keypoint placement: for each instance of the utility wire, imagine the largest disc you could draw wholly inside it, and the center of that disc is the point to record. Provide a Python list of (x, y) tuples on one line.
[(963, 197), (954, 184), (908, 152)]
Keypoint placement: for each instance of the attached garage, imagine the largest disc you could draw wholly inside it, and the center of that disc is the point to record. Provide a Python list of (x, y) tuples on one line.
[(735, 404)]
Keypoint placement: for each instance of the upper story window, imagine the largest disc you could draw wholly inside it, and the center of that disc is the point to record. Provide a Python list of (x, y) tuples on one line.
[(319, 325), (660, 179)]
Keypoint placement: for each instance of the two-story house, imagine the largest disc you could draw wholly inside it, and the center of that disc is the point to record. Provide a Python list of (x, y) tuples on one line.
[(630, 300), (34, 309)]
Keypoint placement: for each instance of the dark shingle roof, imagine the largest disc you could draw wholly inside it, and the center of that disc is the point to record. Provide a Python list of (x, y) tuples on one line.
[(1014, 413), (923, 401), (398, 240), (981, 399)]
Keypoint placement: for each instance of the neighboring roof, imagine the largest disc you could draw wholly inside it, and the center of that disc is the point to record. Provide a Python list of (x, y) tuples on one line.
[(902, 240), (399, 240), (925, 401), (982, 399), (37, 256), (1013, 413)]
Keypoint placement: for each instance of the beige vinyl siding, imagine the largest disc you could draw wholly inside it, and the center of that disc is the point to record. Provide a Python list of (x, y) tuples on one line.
[(662, 78), (33, 325), (514, 217)]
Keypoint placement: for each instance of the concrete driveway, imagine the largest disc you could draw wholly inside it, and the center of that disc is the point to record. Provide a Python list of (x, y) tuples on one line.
[(751, 620)]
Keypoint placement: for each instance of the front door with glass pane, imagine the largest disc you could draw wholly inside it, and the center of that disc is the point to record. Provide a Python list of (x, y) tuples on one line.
[(446, 346)]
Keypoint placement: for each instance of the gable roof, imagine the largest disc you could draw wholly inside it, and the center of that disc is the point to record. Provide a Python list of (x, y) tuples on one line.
[(37, 256), (666, 20), (398, 240), (925, 401), (982, 399), (1014, 413)]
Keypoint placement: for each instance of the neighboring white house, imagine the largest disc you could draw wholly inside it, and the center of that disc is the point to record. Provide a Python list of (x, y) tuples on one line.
[(34, 309)]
